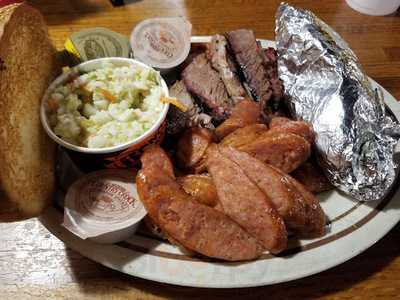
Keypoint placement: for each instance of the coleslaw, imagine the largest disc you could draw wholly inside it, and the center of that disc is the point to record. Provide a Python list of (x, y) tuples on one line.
[(106, 107)]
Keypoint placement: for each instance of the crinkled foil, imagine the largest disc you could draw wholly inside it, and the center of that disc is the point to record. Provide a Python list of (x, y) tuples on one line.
[(325, 85)]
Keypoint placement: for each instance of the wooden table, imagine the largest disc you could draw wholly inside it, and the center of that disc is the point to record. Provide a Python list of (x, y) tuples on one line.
[(36, 265)]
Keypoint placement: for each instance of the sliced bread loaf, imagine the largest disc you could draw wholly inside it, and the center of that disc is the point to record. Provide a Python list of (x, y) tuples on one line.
[(27, 66)]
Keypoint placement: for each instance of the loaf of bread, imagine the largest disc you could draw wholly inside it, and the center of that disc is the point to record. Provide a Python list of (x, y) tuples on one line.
[(28, 64)]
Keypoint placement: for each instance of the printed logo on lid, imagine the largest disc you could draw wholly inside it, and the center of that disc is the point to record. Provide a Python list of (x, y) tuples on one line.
[(106, 199), (103, 200)]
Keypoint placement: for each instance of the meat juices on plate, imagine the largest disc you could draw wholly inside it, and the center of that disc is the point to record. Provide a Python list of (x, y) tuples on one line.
[(195, 226), (245, 203), (299, 208)]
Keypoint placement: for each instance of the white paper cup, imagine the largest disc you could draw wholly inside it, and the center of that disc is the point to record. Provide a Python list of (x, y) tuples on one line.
[(374, 7), (104, 206), (162, 43)]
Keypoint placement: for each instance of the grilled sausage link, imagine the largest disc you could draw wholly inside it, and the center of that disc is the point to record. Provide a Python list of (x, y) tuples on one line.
[(298, 207), (245, 135), (201, 188), (311, 176), (195, 226), (244, 113), (301, 128), (192, 147), (286, 151), (245, 203)]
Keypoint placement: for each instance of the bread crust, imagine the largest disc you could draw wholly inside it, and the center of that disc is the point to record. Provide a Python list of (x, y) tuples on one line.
[(28, 65)]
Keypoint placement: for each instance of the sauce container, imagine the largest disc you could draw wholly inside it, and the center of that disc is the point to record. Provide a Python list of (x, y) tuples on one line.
[(97, 42), (104, 206), (162, 43)]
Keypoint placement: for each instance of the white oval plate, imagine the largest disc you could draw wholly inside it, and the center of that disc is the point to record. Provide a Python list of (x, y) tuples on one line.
[(354, 227)]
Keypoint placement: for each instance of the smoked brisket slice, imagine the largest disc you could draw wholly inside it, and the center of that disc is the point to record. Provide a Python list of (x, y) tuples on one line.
[(204, 82), (193, 116), (219, 57), (270, 61), (250, 59)]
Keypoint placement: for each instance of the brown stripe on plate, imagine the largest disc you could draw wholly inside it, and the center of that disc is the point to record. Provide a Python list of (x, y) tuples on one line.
[(346, 213), (340, 234), (144, 250), (288, 252)]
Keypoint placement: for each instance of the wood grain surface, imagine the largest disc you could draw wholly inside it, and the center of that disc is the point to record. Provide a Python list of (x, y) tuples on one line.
[(36, 265)]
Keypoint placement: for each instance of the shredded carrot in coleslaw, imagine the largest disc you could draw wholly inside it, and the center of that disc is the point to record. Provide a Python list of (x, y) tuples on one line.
[(174, 102), (110, 97), (53, 105)]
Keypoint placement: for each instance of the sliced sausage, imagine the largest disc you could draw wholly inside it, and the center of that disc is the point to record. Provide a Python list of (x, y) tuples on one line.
[(244, 135), (245, 203), (285, 151), (316, 219), (152, 156), (301, 128), (244, 113), (299, 208), (227, 127), (312, 177), (201, 188), (246, 110), (195, 226), (192, 146)]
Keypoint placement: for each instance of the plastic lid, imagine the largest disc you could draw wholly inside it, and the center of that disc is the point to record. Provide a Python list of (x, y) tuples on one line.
[(97, 42), (161, 42), (102, 202), (374, 7)]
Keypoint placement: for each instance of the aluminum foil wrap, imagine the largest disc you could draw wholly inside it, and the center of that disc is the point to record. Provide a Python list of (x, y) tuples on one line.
[(325, 85)]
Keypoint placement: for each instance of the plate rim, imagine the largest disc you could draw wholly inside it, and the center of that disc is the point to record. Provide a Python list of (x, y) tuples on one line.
[(48, 219)]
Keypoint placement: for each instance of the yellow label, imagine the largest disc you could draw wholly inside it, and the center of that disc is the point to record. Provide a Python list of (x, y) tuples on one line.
[(69, 46)]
